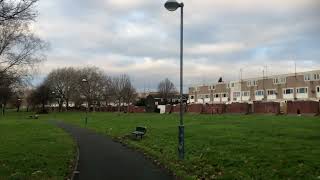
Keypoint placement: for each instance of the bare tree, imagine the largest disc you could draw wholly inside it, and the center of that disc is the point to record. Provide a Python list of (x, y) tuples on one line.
[(20, 48), (93, 87), (63, 83), (128, 92), (40, 96), (17, 10), (122, 90), (107, 90), (166, 89), (9, 86), (5, 94)]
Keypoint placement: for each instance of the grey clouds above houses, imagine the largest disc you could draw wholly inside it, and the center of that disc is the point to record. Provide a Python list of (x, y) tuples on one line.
[(141, 38)]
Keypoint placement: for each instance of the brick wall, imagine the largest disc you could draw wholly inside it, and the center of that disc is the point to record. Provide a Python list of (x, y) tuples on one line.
[(137, 109), (168, 108), (266, 107), (176, 108), (305, 107), (195, 108), (214, 109), (240, 108)]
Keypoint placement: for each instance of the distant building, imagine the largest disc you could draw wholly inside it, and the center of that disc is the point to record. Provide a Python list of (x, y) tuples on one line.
[(278, 88), (175, 99)]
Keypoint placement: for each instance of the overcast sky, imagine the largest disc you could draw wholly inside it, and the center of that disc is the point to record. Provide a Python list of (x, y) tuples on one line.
[(141, 38)]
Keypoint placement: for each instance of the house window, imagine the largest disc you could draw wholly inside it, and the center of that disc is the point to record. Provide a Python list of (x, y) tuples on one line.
[(216, 95), (207, 96), (271, 92), (232, 84), (192, 97), (252, 83), (316, 76), (302, 90), (246, 93), (318, 89), (224, 95), (236, 94), (279, 80), (259, 93), (211, 87), (288, 91), (307, 77), (275, 81)]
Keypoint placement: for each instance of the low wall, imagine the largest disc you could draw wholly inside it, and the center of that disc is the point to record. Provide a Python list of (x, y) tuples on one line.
[(110, 109), (304, 107), (238, 108), (168, 108), (137, 109), (266, 107), (214, 109), (176, 108), (195, 108)]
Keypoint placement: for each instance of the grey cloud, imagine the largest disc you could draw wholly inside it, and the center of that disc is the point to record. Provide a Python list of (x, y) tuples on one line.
[(122, 35)]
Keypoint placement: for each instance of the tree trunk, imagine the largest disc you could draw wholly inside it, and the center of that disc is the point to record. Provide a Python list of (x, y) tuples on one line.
[(43, 106), (67, 104), (119, 105), (60, 105), (128, 106), (3, 108)]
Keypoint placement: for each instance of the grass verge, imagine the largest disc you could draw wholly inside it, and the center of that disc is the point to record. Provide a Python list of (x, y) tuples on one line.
[(33, 149), (223, 147)]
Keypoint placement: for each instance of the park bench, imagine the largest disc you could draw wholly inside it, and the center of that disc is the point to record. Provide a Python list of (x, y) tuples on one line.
[(139, 132), (36, 116)]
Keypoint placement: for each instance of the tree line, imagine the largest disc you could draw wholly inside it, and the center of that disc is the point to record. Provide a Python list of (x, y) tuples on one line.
[(89, 85), (21, 50)]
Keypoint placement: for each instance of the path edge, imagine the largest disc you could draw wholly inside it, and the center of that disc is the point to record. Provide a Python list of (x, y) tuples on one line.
[(73, 170), (75, 162)]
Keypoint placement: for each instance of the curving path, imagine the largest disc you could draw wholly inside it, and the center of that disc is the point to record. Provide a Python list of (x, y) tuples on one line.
[(102, 158)]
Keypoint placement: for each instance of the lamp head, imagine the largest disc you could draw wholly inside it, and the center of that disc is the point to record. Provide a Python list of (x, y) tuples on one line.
[(84, 80), (172, 5)]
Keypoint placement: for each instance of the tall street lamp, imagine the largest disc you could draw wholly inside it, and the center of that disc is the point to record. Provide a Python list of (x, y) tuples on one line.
[(173, 5), (84, 81)]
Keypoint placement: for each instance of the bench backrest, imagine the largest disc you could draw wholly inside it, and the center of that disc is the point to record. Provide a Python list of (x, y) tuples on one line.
[(141, 129)]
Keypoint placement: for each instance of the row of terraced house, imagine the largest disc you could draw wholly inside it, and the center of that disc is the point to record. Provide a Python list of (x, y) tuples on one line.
[(277, 88)]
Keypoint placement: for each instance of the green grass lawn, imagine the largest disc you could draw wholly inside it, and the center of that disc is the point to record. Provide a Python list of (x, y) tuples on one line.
[(33, 149), (224, 147)]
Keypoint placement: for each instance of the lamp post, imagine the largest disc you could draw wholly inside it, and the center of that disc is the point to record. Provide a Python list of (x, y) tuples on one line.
[(18, 104), (86, 120), (56, 98), (173, 5)]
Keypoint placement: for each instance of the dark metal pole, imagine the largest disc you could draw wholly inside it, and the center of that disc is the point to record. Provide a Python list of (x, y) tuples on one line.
[(2, 110), (181, 126), (86, 121)]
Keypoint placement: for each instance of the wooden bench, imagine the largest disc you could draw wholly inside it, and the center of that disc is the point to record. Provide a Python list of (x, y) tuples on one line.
[(140, 132)]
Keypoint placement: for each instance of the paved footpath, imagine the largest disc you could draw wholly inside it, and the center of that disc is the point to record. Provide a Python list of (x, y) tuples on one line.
[(102, 158)]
